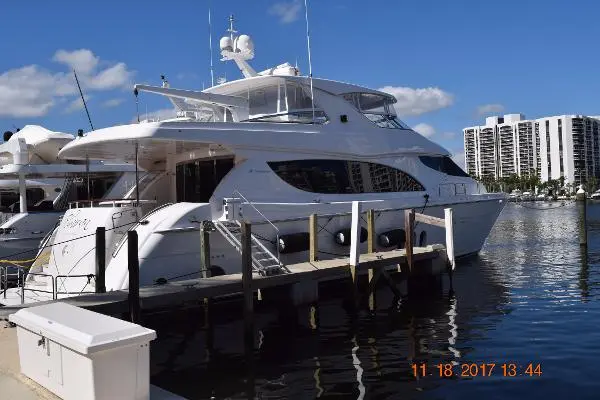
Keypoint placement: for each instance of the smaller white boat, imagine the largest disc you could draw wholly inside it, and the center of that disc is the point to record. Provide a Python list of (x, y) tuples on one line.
[(595, 195), (527, 196)]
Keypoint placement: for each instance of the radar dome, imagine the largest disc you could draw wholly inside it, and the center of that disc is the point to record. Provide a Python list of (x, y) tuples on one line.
[(244, 44), (226, 44)]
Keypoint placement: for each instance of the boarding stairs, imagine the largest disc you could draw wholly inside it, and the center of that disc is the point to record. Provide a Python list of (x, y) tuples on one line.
[(62, 201), (264, 262)]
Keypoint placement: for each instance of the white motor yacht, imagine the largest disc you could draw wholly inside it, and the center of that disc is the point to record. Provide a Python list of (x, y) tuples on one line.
[(271, 148), (41, 186), (595, 195)]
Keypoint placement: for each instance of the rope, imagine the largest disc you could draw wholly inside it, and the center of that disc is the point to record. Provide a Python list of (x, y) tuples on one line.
[(51, 245), (160, 282), (422, 210)]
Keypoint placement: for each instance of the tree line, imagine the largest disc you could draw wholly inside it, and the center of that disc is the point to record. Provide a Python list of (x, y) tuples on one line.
[(531, 182)]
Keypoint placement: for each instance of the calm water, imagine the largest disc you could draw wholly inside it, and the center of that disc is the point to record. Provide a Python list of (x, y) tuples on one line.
[(530, 297)]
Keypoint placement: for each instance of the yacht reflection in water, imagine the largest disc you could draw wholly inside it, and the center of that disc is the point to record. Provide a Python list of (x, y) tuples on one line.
[(328, 351)]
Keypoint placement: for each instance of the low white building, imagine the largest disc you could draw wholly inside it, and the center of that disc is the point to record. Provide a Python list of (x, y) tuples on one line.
[(551, 147)]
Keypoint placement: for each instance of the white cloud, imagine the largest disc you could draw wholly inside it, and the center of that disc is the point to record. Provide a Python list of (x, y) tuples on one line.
[(32, 91), (160, 114), (413, 102), (27, 92), (111, 78), (113, 103), (459, 159), (76, 104), (448, 135), (83, 60), (424, 129), (287, 12), (489, 109)]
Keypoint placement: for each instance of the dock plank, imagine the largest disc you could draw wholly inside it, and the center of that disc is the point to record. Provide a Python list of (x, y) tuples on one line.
[(185, 291)]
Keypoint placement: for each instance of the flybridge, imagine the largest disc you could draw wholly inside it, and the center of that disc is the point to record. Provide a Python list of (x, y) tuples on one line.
[(237, 107)]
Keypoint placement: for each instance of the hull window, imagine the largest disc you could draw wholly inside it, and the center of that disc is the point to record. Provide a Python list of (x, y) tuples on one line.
[(196, 181), (344, 177), (443, 164)]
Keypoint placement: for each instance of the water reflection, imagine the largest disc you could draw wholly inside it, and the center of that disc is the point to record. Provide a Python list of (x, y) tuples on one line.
[(528, 297)]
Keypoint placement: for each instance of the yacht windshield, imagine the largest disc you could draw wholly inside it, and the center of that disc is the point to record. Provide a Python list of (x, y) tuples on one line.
[(283, 102), (377, 108)]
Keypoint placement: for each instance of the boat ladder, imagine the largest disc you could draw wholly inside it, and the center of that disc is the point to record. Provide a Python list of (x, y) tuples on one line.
[(263, 261)]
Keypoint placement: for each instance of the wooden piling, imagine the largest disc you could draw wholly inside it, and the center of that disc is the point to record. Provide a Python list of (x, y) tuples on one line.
[(583, 223), (100, 259), (133, 265), (371, 250), (449, 225), (204, 250), (313, 238), (371, 231), (355, 241), (409, 228), (246, 244)]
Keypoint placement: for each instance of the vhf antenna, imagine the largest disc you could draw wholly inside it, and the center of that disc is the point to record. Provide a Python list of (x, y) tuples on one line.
[(83, 100), (212, 73), (231, 30), (312, 95)]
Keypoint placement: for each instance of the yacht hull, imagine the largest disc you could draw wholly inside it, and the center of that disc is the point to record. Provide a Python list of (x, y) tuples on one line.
[(171, 251), (169, 242)]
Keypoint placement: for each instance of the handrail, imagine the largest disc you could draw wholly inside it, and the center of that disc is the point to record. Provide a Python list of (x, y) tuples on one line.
[(134, 225), (266, 219), (256, 209), (23, 287), (4, 276), (89, 276)]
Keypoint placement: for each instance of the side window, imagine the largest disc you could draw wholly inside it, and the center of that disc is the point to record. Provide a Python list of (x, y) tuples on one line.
[(344, 177), (264, 100), (443, 164)]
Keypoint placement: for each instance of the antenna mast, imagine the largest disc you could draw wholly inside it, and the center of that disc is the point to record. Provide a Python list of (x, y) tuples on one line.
[(83, 100), (231, 30), (212, 74), (312, 95)]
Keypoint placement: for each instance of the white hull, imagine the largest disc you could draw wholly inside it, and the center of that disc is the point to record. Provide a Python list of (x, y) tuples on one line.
[(174, 253)]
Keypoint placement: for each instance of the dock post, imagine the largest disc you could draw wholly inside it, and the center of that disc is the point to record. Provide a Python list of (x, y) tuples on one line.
[(449, 226), (205, 273), (100, 259), (355, 241), (409, 228), (246, 243), (133, 265), (204, 250), (371, 250), (307, 292), (583, 223), (313, 237)]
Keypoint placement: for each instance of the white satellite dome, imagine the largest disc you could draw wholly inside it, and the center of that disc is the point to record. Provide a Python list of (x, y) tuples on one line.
[(244, 44), (226, 43)]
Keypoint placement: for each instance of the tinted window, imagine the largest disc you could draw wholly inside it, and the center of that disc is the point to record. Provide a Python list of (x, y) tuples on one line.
[(443, 164), (344, 177)]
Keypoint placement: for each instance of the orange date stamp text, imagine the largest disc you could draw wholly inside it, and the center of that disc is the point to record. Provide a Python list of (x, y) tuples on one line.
[(475, 369)]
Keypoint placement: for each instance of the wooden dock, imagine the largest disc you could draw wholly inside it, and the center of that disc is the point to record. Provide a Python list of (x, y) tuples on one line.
[(302, 279), (193, 290)]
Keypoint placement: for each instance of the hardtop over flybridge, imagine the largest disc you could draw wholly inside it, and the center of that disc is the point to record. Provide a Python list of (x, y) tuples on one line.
[(271, 148)]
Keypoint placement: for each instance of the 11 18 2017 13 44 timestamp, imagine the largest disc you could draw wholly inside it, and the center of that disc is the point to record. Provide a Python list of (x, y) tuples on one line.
[(476, 369)]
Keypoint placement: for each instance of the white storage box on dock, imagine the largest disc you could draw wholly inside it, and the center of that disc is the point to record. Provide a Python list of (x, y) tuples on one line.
[(79, 354)]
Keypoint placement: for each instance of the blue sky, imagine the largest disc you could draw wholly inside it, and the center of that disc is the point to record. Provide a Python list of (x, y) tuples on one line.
[(448, 62)]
